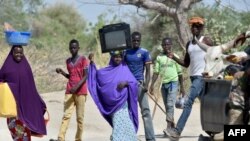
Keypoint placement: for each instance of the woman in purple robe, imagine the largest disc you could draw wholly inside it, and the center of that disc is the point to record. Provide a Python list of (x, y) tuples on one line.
[(17, 73), (114, 91)]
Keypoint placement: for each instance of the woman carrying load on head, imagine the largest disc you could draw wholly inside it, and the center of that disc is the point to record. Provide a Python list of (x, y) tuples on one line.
[(17, 72), (114, 91)]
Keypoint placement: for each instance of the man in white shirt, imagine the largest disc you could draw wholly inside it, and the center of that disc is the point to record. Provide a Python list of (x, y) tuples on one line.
[(194, 59)]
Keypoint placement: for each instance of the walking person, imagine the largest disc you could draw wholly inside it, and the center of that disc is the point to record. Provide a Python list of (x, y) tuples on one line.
[(17, 73), (138, 59), (171, 73), (76, 91), (114, 91), (194, 59)]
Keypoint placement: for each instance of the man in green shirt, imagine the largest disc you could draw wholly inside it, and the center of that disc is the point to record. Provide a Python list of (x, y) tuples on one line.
[(170, 72)]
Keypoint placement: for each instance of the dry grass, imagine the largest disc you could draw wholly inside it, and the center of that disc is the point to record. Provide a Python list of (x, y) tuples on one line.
[(43, 64), (44, 61)]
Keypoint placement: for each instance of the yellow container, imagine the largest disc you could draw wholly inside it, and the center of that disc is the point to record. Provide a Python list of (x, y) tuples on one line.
[(7, 101)]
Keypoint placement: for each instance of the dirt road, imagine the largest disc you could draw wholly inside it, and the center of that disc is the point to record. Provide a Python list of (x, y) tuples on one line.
[(97, 129)]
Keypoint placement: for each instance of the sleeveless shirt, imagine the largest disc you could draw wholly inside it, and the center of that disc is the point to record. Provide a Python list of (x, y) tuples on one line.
[(197, 59)]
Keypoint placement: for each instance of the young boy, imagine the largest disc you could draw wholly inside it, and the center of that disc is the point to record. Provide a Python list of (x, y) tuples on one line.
[(138, 60), (170, 72), (76, 91)]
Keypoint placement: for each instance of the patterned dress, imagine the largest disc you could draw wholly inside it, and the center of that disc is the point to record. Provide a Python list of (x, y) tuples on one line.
[(18, 130), (123, 128)]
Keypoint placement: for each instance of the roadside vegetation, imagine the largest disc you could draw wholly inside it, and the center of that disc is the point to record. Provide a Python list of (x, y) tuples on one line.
[(53, 26)]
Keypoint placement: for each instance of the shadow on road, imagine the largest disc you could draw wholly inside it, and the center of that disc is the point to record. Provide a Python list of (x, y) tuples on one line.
[(163, 136)]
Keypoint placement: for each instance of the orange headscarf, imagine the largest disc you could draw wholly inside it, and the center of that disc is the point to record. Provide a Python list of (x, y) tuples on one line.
[(197, 20)]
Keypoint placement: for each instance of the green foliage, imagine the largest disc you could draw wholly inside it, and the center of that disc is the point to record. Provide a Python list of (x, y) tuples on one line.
[(32, 6), (54, 26), (13, 12), (222, 24), (71, 19), (58, 26), (52, 29), (160, 28)]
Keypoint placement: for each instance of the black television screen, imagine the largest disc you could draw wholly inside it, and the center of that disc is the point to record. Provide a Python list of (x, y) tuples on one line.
[(115, 37)]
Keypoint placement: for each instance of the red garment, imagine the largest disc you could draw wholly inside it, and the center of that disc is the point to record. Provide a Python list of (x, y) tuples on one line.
[(76, 73), (18, 130)]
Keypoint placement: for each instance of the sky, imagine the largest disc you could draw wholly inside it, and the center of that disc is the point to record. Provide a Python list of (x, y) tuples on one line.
[(91, 9)]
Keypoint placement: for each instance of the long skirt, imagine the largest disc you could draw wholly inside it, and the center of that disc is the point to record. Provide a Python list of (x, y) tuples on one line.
[(123, 127), (18, 130)]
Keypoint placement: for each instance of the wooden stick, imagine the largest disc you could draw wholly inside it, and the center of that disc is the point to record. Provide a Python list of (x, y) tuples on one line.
[(156, 103)]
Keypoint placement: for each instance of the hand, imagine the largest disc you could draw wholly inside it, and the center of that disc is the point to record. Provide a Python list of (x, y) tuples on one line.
[(170, 54), (59, 70), (122, 85), (233, 59), (91, 57), (73, 90)]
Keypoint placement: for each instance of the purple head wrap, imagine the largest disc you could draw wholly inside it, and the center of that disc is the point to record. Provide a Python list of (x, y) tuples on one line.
[(30, 106), (102, 85)]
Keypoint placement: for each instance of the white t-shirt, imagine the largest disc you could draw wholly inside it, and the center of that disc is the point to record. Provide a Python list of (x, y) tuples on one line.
[(197, 59)]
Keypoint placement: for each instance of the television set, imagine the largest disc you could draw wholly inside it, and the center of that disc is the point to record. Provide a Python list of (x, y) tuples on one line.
[(115, 37)]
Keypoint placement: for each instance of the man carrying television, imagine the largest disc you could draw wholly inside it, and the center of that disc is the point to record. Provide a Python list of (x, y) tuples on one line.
[(137, 59)]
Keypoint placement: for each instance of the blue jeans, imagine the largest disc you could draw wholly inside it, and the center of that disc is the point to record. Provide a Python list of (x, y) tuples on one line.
[(145, 112), (169, 92), (195, 91)]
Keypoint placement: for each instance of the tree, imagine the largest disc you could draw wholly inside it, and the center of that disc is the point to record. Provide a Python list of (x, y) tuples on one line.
[(32, 6), (222, 24), (176, 9), (17, 12), (12, 12)]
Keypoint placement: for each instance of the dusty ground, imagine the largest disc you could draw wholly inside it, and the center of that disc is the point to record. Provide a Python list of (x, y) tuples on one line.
[(97, 129)]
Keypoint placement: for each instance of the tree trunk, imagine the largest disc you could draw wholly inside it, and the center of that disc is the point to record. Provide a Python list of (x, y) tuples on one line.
[(176, 9), (182, 28)]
